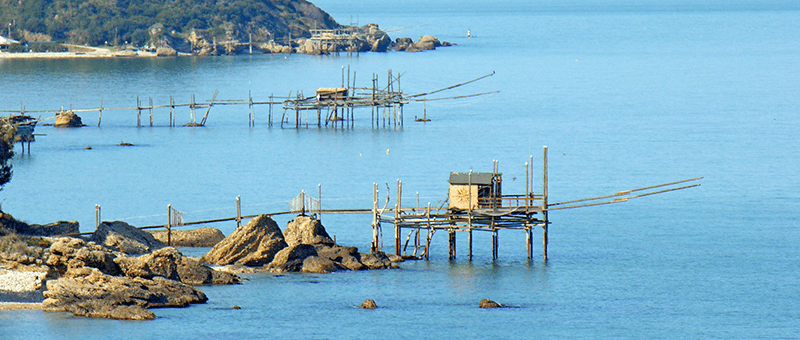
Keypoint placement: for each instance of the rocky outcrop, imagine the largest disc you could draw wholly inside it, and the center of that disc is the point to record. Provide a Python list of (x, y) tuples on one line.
[(171, 264), (125, 238), (253, 244), (68, 119), (166, 52), (425, 43), (486, 303), (52, 229), (291, 259), (71, 253), (89, 292), (306, 230), (200, 237)]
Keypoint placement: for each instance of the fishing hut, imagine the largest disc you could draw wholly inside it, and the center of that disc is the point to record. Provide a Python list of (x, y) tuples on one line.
[(475, 203), (23, 129)]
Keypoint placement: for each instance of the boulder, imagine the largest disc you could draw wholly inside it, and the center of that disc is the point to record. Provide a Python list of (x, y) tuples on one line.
[(253, 244), (52, 229), (291, 259), (306, 230), (68, 119), (368, 304), (201, 237), (381, 43), (486, 303), (430, 39), (377, 260), (400, 44), (347, 257), (88, 292), (169, 263), (125, 238), (166, 51), (319, 265), (71, 253)]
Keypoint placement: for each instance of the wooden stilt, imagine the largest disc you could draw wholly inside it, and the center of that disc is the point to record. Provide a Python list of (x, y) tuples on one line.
[(138, 112), (100, 116), (452, 244), (544, 204), (151, 112), (494, 245)]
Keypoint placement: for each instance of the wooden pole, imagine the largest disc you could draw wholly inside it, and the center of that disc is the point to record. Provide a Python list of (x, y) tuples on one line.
[(97, 216), (100, 116), (397, 231), (138, 112), (319, 202), (529, 242), (544, 204), (469, 215), (171, 111), (494, 244), (151, 112), (452, 244), (375, 218), (169, 225), (238, 211)]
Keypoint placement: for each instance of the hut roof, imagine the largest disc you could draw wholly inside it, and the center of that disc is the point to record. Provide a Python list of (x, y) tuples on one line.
[(7, 41), (479, 178)]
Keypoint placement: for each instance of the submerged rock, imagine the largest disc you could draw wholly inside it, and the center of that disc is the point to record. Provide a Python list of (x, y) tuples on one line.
[(125, 238), (253, 244), (486, 303), (368, 304)]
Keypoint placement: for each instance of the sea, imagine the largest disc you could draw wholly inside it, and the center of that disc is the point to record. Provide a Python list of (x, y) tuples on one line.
[(624, 94)]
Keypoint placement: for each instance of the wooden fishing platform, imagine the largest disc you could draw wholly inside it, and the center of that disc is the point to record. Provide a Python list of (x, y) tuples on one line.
[(337, 103), (475, 203)]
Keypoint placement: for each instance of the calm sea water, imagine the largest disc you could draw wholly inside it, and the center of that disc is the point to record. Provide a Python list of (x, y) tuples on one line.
[(624, 95)]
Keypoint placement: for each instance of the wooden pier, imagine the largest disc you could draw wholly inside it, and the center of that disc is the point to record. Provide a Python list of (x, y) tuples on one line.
[(475, 203)]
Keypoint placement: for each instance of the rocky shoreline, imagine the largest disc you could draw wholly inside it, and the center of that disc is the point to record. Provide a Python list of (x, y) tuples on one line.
[(121, 272), (368, 38)]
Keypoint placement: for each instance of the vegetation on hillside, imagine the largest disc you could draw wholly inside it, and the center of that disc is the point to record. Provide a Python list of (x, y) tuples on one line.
[(114, 22)]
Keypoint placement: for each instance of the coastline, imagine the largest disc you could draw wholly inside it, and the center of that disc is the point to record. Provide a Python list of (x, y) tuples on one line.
[(20, 305), (77, 55)]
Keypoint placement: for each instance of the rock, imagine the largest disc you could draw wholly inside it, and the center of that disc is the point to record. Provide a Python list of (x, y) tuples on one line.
[(68, 119), (71, 253), (430, 39), (400, 44), (381, 44), (201, 237), (306, 230), (347, 257), (253, 244), (368, 304), (486, 303), (169, 263), (291, 259), (319, 265), (166, 52), (377, 260), (125, 238), (52, 229), (88, 292)]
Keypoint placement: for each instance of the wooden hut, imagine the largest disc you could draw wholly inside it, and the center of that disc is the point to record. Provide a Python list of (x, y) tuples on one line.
[(470, 190)]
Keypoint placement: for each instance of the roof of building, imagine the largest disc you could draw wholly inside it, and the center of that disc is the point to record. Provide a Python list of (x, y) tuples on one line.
[(7, 41), (479, 178)]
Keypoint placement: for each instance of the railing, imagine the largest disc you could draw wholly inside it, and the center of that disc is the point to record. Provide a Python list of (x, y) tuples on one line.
[(511, 201)]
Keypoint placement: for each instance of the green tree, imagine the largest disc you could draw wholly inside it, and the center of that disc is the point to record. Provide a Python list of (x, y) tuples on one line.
[(7, 132)]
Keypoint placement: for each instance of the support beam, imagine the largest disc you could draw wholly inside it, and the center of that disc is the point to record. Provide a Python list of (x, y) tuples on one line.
[(452, 243)]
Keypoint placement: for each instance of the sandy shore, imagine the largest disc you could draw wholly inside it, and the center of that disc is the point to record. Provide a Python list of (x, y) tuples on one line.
[(20, 305), (83, 52)]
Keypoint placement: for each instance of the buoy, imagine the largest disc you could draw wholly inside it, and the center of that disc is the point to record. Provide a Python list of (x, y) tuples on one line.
[(387, 151)]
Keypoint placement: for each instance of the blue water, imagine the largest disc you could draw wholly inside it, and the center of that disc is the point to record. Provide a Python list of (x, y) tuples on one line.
[(624, 95)]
